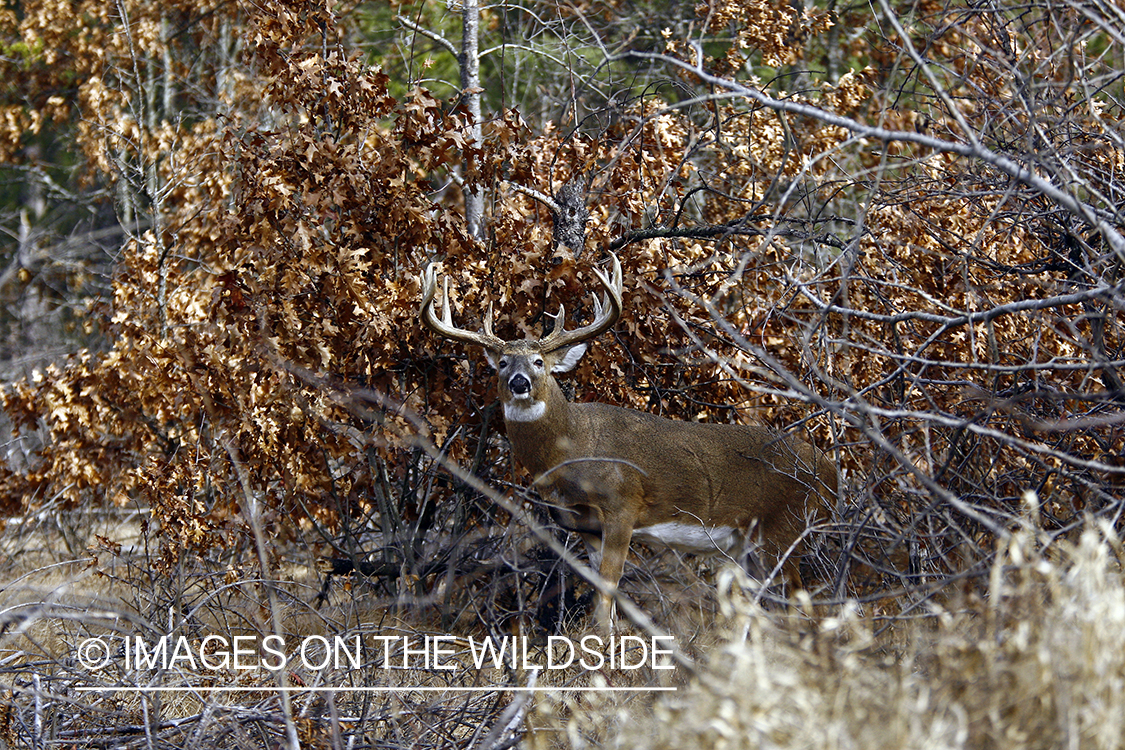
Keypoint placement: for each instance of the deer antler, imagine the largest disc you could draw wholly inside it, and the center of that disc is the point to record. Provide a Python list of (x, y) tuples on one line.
[(444, 326), (606, 312)]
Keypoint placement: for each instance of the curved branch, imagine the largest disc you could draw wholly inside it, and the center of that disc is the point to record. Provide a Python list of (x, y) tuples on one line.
[(433, 35), (546, 200)]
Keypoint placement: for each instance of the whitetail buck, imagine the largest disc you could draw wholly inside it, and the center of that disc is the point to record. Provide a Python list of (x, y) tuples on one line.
[(614, 474)]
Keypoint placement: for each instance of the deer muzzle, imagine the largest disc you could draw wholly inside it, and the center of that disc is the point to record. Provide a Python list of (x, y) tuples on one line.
[(519, 385)]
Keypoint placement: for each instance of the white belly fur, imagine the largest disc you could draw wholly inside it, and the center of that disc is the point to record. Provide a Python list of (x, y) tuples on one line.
[(689, 537)]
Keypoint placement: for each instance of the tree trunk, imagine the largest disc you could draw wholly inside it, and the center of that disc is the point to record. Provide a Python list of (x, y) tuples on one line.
[(471, 91)]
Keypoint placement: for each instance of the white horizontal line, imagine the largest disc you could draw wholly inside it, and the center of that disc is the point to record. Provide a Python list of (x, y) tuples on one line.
[(266, 689)]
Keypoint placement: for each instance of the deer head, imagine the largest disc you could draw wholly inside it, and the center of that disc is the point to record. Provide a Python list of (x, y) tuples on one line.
[(526, 368)]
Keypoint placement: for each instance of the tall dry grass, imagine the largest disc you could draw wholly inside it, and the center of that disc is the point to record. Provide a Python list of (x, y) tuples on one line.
[(1038, 662)]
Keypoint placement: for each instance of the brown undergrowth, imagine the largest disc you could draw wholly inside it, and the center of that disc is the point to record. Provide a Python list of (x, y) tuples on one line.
[(1035, 660)]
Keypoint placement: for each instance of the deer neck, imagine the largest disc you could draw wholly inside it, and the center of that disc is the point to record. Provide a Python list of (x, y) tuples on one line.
[(539, 432)]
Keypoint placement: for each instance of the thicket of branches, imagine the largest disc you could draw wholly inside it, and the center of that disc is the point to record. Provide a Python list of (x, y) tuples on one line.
[(896, 230)]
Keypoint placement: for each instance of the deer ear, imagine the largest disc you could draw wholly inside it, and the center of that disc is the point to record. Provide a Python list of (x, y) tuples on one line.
[(493, 358), (569, 359)]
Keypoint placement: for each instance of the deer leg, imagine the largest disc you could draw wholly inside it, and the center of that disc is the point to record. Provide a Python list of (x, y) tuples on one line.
[(616, 534)]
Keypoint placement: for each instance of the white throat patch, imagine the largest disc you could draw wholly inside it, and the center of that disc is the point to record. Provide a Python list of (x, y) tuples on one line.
[(529, 412)]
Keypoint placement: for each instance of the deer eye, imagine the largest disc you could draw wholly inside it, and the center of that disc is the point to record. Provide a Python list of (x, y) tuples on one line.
[(503, 363), (538, 362)]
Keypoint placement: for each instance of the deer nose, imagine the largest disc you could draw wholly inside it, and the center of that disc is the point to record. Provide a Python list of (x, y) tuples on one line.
[(519, 385)]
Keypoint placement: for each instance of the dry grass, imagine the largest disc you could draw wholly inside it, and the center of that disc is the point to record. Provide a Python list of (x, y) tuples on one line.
[(1038, 663), (1035, 661)]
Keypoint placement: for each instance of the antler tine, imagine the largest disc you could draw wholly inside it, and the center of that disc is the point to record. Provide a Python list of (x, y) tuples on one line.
[(610, 286), (446, 306), (558, 320), (606, 312), (443, 326), (488, 322)]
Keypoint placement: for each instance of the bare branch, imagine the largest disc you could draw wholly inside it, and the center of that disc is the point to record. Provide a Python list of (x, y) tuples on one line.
[(974, 149), (428, 33)]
